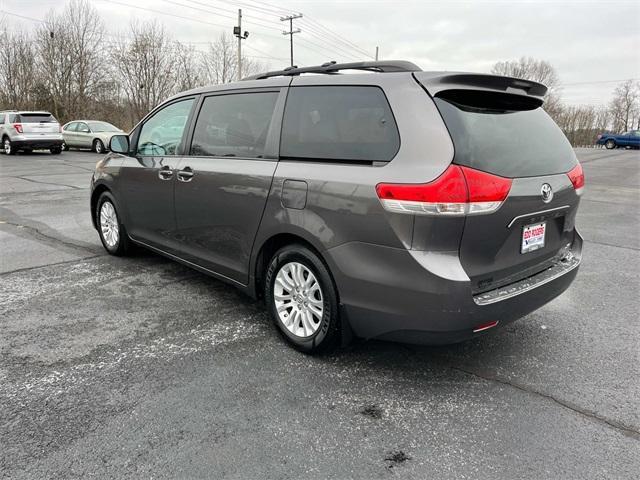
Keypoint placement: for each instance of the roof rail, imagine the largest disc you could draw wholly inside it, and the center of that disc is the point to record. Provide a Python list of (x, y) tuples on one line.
[(333, 67)]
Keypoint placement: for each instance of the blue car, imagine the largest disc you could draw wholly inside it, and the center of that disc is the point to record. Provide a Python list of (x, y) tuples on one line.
[(627, 139)]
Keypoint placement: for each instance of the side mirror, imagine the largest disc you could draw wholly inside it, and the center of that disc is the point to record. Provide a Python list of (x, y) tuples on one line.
[(119, 144)]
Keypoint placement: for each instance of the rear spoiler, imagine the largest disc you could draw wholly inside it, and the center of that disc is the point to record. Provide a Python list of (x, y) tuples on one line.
[(438, 82)]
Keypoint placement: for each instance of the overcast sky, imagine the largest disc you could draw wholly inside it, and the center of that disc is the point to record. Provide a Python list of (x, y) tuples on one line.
[(592, 44)]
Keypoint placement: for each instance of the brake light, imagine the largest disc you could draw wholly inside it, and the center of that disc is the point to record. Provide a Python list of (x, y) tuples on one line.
[(577, 178), (18, 127), (458, 191)]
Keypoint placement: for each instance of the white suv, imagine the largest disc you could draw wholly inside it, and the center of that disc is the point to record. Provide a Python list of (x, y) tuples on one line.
[(27, 131)]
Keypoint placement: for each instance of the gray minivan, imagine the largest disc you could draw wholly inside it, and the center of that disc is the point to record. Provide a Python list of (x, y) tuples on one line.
[(388, 203)]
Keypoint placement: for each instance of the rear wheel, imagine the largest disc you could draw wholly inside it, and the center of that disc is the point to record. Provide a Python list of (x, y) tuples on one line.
[(8, 147), (28, 151), (302, 299), (610, 144), (112, 233), (98, 146), (55, 150)]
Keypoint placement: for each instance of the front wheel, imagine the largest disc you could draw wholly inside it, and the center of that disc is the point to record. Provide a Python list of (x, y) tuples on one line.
[(112, 233), (98, 146), (65, 147), (302, 299), (610, 144)]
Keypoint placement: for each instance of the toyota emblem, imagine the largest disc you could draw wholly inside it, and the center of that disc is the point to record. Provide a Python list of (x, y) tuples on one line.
[(547, 193)]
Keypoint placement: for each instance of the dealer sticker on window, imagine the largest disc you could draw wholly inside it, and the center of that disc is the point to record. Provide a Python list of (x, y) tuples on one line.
[(533, 237)]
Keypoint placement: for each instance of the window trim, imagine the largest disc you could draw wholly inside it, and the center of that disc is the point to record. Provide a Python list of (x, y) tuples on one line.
[(341, 160), (272, 143), (134, 136)]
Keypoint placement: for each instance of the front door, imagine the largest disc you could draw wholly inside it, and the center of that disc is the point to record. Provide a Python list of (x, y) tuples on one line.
[(222, 185), (83, 135), (147, 175)]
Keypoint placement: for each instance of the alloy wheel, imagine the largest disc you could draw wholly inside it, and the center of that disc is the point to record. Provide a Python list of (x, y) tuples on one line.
[(298, 298), (109, 224)]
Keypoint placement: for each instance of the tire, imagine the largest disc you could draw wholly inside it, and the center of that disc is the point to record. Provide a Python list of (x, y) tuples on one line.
[(118, 244), (64, 147), (610, 144), (8, 147), (55, 150), (98, 146), (299, 321), (28, 151)]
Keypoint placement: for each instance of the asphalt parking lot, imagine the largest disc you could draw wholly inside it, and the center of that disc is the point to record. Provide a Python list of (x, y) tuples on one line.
[(140, 367)]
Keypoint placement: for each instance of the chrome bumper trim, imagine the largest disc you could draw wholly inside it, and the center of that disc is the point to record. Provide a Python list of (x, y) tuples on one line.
[(561, 268)]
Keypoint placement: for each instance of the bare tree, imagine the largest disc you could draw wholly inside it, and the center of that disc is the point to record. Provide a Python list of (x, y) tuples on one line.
[(539, 71), (145, 67), (188, 67), (69, 47), (625, 106), (17, 71), (220, 62)]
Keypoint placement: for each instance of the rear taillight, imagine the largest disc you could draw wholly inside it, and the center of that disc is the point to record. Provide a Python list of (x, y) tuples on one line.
[(18, 127), (577, 178), (458, 191)]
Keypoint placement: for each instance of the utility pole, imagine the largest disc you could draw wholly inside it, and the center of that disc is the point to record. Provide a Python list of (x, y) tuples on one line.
[(376, 54), (237, 31), (291, 31)]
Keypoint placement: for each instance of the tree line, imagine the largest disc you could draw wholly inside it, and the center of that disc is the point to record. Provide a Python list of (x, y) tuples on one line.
[(70, 66)]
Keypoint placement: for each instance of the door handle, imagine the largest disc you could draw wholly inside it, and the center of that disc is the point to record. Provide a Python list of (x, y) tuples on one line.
[(185, 175), (165, 173)]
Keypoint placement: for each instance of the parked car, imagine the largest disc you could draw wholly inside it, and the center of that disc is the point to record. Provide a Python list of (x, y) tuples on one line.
[(27, 131), (92, 134), (341, 200), (614, 140)]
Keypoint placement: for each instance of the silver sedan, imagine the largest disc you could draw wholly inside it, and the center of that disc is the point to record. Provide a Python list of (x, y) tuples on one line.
[(91, 134)]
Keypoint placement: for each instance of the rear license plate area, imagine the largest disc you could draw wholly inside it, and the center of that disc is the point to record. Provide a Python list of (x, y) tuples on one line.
[(533, 237)]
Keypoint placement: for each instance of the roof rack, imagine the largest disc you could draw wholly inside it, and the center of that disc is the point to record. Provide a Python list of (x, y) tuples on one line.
[(333, 67)]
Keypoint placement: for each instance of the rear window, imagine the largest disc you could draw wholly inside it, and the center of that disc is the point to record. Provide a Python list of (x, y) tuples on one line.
[(352, 123), (505, 139), (36, 118)]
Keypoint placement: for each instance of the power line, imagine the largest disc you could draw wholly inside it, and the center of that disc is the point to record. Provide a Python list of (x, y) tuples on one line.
[(598, 81)]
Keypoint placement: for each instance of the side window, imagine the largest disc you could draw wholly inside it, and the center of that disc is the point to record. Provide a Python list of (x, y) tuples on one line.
[(71, 127), (234, 125), (339, 123), (82, 127), (162, 133)]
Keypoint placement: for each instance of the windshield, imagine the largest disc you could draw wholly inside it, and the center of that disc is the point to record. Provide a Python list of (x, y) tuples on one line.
[(509, 143), (102, 127)]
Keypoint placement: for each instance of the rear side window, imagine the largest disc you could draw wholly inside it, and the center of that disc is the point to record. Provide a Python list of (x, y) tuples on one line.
[(72, 127), (36, 118), (505, 141), (351, 123), (234, 125)]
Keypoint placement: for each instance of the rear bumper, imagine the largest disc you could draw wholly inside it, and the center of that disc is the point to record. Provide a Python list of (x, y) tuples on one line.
[(420, 297), (34, 143)]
